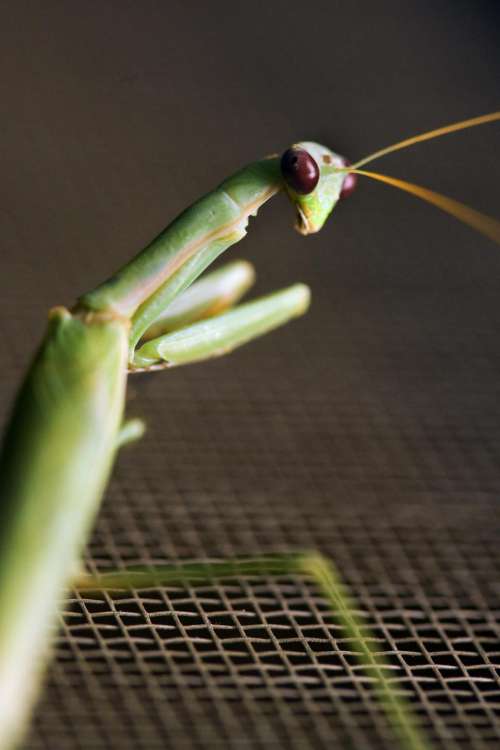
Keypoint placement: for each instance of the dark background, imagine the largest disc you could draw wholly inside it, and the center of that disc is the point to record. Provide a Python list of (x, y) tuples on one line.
[(369, 430)]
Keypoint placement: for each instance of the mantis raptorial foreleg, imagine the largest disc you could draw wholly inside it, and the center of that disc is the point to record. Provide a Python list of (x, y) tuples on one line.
[(214, 293), (221, 334)]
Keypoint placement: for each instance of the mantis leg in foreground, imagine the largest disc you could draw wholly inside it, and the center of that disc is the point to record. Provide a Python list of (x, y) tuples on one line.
[(67, 422)]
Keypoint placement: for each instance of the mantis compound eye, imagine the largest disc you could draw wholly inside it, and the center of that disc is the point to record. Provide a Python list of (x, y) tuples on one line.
[(350, 182), (299, 170)]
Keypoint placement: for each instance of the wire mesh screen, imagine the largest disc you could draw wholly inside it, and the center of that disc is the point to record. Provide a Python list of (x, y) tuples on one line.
[(358, 450)]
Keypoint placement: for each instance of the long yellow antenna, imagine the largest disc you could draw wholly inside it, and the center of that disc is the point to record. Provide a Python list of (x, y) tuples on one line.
[(491, 117), (480, 222)]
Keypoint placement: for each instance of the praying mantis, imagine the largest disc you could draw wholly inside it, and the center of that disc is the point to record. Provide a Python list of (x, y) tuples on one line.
[(67, 423)]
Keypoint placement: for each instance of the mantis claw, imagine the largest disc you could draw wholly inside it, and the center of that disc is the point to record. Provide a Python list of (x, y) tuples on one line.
[(223, 333), (212, 294)]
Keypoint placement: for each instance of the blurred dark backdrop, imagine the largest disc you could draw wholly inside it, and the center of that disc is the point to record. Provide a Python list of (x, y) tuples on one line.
[(370, 429)]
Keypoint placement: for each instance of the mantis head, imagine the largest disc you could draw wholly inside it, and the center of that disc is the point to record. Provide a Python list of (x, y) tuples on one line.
[(314, 183), (315, 178)]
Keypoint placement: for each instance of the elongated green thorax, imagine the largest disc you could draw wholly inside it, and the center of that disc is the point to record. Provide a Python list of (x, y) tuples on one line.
[(56, 459), (149, 282)]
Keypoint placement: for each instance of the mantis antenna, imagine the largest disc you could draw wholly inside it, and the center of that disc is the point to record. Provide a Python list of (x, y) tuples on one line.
[(480, 222), (429, 135)]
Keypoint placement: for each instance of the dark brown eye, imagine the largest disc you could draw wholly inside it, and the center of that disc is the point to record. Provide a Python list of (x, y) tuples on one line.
[(350, 182), (299, 170)]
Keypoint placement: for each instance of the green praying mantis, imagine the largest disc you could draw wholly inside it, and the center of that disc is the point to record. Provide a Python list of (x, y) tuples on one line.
[(68, 420)]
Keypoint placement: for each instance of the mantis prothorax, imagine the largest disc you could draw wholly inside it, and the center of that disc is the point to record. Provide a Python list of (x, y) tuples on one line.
[(67, 422)]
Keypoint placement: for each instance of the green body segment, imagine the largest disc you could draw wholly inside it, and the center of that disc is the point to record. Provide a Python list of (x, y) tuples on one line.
[(57, 456), (154, 277)]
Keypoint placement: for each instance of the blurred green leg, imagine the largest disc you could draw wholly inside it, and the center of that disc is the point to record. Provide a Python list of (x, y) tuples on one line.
[(323, 573), (130, 431)]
